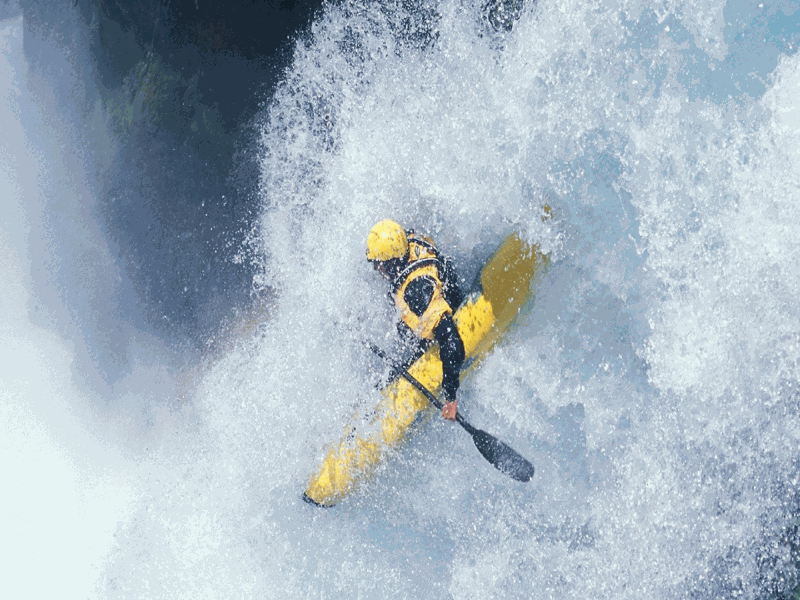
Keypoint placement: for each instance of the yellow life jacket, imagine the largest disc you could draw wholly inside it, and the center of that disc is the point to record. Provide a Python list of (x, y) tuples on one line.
[(423, 261)]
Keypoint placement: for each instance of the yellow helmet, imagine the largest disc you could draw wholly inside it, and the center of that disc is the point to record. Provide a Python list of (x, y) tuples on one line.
[(387, 240)]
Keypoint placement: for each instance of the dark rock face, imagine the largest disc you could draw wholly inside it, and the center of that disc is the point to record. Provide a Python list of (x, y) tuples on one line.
[(179, 84)]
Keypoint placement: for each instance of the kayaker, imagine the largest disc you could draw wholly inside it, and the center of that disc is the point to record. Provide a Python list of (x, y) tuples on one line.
[(425, 292)]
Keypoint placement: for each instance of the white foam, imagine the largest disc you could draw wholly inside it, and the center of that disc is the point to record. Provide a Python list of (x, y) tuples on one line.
[(661, 341)]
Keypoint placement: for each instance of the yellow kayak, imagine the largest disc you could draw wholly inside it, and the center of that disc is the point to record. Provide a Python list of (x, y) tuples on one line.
[(507, 282)]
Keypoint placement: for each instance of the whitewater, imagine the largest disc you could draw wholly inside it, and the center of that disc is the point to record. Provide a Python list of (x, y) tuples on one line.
[(653, 381)]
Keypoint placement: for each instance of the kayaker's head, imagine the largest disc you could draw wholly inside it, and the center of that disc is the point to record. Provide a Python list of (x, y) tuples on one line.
[(387, 248)]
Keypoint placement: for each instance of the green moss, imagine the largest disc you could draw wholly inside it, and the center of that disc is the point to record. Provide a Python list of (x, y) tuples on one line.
[(153, 98)]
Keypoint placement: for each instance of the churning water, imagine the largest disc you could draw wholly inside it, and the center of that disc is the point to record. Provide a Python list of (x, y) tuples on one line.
[(653, 382)]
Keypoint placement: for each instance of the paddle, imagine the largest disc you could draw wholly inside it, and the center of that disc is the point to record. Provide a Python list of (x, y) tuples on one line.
[(502, 456)]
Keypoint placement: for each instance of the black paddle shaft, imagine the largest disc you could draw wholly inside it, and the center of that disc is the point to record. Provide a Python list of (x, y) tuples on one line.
[(501, 455)]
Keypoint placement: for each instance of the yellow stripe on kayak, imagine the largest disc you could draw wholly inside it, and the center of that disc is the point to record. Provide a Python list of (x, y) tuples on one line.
[(485, 316)]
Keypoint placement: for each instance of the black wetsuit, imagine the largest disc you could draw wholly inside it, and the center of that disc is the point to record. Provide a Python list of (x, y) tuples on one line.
[(418, 295)]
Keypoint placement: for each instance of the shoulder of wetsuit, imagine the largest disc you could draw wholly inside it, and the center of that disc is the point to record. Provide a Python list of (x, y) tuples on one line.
[(422, 240), (445, 329)]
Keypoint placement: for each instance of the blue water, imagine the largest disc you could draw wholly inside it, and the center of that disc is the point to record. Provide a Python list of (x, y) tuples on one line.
[(653, 381)]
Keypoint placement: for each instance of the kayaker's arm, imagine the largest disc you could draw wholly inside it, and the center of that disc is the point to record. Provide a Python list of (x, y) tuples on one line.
[(451, 352), (451, 348)]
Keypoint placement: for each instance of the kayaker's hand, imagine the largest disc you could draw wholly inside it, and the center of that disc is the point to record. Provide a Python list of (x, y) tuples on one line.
[(449, 410)]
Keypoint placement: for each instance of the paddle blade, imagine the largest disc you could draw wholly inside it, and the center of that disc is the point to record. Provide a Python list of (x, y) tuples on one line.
[(505, 458)]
